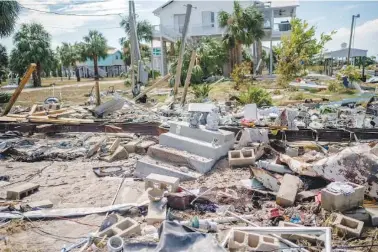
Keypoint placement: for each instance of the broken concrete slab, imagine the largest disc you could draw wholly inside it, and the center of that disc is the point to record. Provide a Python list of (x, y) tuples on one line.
[(119, 154), (340, 201), (201, 133), (201, 107), (115, 145), (157, 211), (288, 190), (96, 146), (269, 180), (239, 158), (148, 165), (273, 167), (162, 182), (182, 158), (195, 146), (142, 147), (360, 214), (373, 212), (21, 191), (347, 226), (40, 204), (131, 146)]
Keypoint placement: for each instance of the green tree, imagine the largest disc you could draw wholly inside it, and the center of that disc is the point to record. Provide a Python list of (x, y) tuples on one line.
[(243, 27), (94, 48), (31, 45), (3, 61), (69, 55), (143, 29), (296, 50), (8, 15)]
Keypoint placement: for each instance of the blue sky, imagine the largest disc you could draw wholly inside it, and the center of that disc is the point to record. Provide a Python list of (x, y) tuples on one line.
[(325, 15)]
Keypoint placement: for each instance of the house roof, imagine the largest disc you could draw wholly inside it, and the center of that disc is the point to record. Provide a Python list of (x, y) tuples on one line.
[(112, 50), (343, 53), (159, 9)]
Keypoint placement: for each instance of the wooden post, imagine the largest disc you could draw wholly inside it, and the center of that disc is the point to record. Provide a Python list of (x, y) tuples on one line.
[(188, 77), (20, 87), (182, 48), (152, 86), (98, 98)]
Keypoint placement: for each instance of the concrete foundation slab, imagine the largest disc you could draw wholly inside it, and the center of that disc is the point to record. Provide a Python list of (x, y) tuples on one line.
[(181, 158), (194, 146), (201, 133), (148, 165)]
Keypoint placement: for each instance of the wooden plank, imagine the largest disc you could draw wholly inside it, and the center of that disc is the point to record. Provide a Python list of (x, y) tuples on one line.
[(17, 116), (50, 112), (188, 77), (68, 112), (46, 119), (20, 87), (152, 86), (33, 109), (9, 119)]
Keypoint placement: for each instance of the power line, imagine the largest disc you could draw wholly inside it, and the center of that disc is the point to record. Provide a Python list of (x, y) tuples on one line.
[(70, 3), (71, 14), (79, 27)]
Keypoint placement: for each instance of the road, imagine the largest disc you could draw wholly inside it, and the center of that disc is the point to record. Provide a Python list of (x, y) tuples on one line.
[(77, 84)]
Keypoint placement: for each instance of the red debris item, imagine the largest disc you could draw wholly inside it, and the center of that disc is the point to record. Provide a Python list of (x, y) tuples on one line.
[(318, 197), (275, 212)]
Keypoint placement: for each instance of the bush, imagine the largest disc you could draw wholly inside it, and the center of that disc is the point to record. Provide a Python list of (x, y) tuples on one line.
[(156, 74), (239, 74), (5, 97), (297, 97), (351, 72), (335, 86), (201, 91), (127, 82), (277, 92), (255, 95)]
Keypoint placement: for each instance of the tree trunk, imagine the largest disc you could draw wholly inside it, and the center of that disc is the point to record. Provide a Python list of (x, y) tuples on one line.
[(95, 67), (259, 56), (37, 75), (239, 53), (77, 74), (69, 73)]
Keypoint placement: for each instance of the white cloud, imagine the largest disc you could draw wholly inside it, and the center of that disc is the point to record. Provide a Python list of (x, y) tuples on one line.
[(366, 37), (350, 7)]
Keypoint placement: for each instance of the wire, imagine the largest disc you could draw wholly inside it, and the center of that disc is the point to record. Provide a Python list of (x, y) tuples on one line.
[(71, 3), (81, 27), (71, 14)]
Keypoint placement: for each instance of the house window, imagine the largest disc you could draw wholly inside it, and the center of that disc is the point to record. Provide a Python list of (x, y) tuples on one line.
[(208, 18), (179, 22), (117, 57)]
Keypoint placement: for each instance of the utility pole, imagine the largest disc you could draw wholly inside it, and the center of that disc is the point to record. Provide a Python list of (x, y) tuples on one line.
[(351, 36), (182, 48), (132, 46)]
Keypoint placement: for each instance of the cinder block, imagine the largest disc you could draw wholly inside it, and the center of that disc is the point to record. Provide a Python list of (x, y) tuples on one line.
[(179, 157), (131, 146), (195, 146), (124, 228), (340, 202), (238, 158), (295, 237), (347, 226), (157, 211), (373, 212), (21, 191), (252, 242), (40, 204), (143, 146), (147, 165), (201, 133), (288, 190), (119, 154), (162, 182), (200, 107)]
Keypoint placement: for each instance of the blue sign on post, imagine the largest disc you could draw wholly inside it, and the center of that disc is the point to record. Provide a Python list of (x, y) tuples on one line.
[(156, 51)]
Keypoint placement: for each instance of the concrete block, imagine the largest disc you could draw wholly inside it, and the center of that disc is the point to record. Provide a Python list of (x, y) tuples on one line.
[(339, 202), (195, 146), (201, 133), (373, 212), (237, 158), (143, 146), (124, 228), (313, 239), (252, 242), (347, 226), (41, 204), (162, 182), (52, 106), (119, 154), (360, 214), (182, 158), (147, 165), (157, 211), (21, 191), (131, 146), (250, 112), (200, 107), (288, 190)]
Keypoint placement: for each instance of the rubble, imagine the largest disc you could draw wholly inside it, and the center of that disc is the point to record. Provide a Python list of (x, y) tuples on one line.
[(288, 190)]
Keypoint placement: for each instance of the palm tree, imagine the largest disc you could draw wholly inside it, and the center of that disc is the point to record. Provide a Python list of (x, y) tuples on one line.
[(243, 27), (31, 45), (69, 55), (8, 15), (144, 29), (94, 47), (3, 61)]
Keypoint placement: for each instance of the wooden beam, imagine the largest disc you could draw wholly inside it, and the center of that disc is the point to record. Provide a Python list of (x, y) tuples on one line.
[(20, 87), (50, 112), (46, 119), (188, 77), (33, 109), (152, 86)]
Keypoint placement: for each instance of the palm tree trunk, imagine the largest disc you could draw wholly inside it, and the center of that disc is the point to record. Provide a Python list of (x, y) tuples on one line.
[(37, 75), (239, 53), (69, 73), (77, 74), (95, 67)]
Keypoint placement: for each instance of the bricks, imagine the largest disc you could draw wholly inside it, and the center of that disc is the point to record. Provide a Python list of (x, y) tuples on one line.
[(157, 211), (237, 158), (124, 228), (252, 242), (162, 182), (347, 226), (339, 202), (295, 237), (119, 154), (40, 204), (288, 190), (21, 191)]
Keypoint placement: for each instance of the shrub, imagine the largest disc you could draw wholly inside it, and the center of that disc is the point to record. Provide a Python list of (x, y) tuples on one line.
[(335, 86), (201, 91), (4, 97), (156, 73), (255, 95), (351, 72), (239, 74), (277, 92), (297, 96)]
